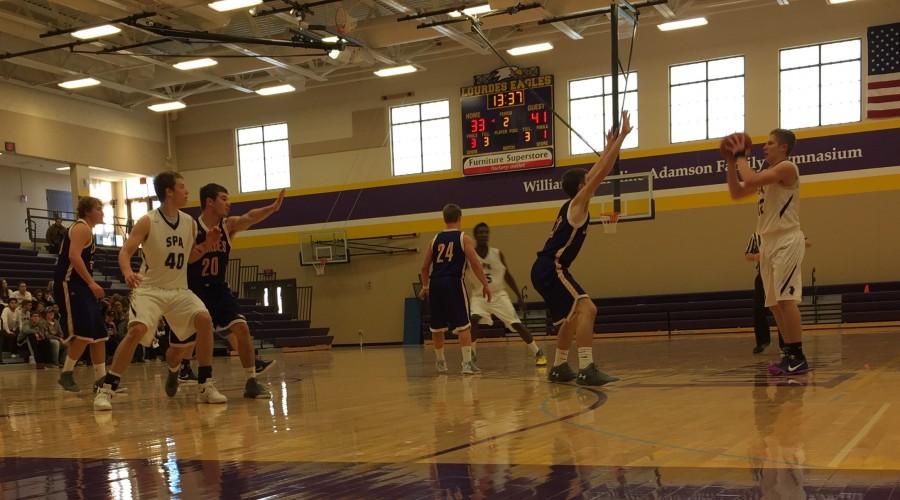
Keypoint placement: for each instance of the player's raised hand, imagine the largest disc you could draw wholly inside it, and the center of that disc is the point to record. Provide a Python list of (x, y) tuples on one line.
[(626, 122), (735, 143), (133, 280), (278, 201), (611, 135)]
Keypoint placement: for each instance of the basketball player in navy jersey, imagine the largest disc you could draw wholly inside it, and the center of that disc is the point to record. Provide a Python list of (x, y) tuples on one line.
[(78, 295), (442, 282), (167, 239), (571, 309), (206, 278)]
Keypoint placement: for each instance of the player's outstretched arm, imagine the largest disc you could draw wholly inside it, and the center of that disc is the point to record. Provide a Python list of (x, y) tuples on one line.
[(240, 223), (79, 237), (579, 207), (138, 234), (475, 264), (736, 188), (426, 272)]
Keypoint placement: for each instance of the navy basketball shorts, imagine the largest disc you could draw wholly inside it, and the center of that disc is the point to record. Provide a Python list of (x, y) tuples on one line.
[(558, 288), (222, 306), (449, 306), (80, 313)]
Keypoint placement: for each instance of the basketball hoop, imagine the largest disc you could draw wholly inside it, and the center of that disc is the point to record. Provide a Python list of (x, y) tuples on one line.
[(609, 221), (320, 267)]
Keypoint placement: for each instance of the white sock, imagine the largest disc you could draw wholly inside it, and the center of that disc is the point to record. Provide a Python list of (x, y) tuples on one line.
[(69, 364), (561, 357), (439, 353), (467, 353), (250, 372), (534, 347), (99, 370), (585, 357)]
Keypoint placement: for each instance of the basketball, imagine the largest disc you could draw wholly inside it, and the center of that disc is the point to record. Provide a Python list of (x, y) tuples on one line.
[(723, 145)]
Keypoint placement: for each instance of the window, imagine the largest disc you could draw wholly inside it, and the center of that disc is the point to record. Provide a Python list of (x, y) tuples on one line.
[(820, 84), (590, 110), (264, 157), (420, 138), (706, 99)]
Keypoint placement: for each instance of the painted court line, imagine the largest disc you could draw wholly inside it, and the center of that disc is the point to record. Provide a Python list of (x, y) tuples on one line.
[(859, 436)]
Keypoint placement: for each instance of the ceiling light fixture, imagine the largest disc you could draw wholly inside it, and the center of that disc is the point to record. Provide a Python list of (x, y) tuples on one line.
[(277, 89), (226, 5), (331, 39), (396, 70), (96, 32), (80, 83), (167, 106), (683, 24), (530, 49), (195, 64), (472, 11)]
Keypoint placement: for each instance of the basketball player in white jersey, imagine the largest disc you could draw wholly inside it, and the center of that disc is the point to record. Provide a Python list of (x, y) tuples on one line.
[(166, 237), (778, 225), (498, 277)]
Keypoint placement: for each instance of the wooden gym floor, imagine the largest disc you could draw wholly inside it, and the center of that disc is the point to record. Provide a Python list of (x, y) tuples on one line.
[(693, 417)]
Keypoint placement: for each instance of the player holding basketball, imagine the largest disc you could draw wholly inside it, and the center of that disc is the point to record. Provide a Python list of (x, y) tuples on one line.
[(498, 277), (206, 278), (166, 236), (570, 307), (778, 224), (78, 295), (442, 282)]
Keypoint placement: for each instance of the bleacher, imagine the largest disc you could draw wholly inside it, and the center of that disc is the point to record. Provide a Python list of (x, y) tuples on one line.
[(848, 304), (268, 327)]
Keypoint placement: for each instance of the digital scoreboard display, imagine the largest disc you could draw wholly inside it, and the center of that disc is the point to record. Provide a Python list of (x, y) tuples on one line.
[(508, 125)]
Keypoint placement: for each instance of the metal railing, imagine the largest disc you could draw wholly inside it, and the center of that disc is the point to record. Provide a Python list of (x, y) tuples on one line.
[(304, 303), (38, 220), (238, 274)]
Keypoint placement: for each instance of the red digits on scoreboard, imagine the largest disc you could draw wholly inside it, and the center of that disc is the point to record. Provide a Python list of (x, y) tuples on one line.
[(473, 143), (476, 125), (539, 117)]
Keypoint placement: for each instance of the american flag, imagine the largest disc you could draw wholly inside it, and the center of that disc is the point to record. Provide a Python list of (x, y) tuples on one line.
[(884, 71)]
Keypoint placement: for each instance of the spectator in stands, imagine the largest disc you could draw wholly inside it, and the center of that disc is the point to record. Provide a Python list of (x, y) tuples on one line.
[(40, 297), (9, 322), (22, 293), (48, 293), (33, 336), (55, 334), (4, 293), (55, 235), (24, 312)]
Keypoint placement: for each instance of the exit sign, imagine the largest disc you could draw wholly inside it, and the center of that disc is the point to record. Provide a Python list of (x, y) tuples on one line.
[(9, 147)]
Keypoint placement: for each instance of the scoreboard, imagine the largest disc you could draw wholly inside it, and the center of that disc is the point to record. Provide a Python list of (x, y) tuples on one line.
[(508, 125)]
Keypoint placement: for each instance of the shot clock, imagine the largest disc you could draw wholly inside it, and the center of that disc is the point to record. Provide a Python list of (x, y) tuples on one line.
[(508, 125)]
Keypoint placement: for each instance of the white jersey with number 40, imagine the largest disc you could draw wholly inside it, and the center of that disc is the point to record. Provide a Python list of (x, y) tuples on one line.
[(494, 271), (166, 250), (779, 206)]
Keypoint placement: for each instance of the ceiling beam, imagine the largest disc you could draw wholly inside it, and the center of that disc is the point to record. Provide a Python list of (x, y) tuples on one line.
[(275, 62)]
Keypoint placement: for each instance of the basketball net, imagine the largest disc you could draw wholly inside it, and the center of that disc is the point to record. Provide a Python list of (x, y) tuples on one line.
[(320, 267), (609, 221)]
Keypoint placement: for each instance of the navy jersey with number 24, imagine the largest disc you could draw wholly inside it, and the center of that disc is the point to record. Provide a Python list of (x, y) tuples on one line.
[(448, 256)]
